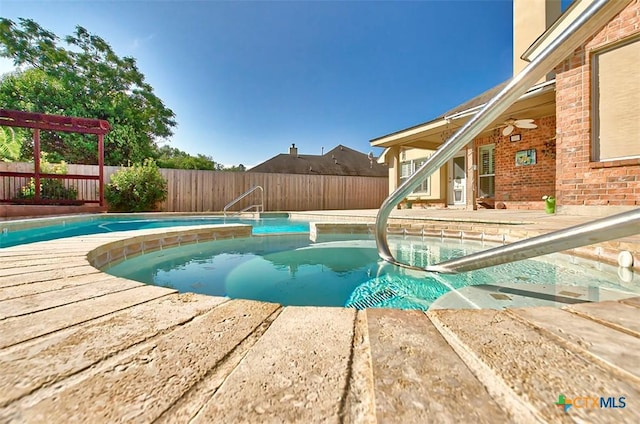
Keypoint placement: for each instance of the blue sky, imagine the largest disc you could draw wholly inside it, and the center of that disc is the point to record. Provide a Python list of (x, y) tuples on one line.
[(247, 79)]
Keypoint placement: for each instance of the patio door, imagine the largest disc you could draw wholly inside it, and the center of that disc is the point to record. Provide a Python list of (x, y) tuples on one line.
[(457, 180)]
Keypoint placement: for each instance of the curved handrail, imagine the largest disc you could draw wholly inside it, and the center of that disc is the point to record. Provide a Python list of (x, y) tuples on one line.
[(591, 19), (259, 208), (604, 229)]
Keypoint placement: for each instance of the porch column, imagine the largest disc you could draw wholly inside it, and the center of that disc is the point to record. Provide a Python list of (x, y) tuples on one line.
[(471, 178), (394, 168)]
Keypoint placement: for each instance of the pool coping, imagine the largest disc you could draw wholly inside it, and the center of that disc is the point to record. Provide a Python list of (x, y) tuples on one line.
[(370, 389)]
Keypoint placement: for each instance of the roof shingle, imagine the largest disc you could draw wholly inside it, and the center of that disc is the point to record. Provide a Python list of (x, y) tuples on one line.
[(341, 160)]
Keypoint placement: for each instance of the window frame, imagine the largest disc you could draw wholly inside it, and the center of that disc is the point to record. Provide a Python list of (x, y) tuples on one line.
[(595, 150), (492, 159), (424, 189)]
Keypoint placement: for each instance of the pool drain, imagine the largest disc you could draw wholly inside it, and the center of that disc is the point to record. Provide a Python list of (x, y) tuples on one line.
[(374, 299)]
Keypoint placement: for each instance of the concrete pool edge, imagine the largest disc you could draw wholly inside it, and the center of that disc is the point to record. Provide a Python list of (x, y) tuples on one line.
[(606, 252), (128, 247), (38, 222), (492, 377)]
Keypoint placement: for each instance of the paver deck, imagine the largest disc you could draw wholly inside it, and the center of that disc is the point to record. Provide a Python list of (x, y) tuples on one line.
[(77, 345)]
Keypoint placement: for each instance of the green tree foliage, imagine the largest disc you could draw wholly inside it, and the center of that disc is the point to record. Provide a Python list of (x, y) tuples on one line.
[(239, 168), (86, 78), (34, 90), (138, 188), (9, 145), (170, 157)]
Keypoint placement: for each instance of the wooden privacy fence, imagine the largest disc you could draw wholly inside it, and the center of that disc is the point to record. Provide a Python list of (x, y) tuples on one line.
[(210, 191)]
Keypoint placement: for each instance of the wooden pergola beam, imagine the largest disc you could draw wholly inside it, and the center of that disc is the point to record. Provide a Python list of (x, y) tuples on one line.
[(42, 121)]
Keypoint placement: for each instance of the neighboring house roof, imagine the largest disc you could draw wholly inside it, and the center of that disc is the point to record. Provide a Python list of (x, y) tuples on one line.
[(340, 161)]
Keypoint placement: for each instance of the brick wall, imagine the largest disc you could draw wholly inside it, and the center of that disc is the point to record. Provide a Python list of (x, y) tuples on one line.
[(522, 187), (579, 180)]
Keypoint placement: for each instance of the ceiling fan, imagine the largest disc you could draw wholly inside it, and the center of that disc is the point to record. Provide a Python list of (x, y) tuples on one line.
[(511, 124)]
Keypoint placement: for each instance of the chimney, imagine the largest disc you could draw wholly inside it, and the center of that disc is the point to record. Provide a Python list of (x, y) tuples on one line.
[(293, 150), (530, 19)]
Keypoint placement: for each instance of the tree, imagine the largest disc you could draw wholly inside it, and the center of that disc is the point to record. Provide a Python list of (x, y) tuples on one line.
[(9, 145), (239, 168), (86, 79), (34, 90), (170, 157)]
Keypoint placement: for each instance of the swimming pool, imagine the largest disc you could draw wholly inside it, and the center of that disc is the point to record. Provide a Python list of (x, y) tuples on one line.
[(55, 228), (346, 271)]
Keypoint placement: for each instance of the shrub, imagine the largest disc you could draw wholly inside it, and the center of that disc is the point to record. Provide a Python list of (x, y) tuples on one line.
[(50, 188), (138, 188)]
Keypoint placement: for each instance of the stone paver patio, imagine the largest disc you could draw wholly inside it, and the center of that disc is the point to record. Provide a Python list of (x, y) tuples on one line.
[(78, 345)]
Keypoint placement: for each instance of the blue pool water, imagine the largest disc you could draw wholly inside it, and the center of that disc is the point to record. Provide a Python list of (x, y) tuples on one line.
[(104, 224), (343, 271)]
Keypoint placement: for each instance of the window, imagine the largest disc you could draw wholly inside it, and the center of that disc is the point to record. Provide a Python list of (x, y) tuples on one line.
[(408, 168), (486, 171), (616, 96)]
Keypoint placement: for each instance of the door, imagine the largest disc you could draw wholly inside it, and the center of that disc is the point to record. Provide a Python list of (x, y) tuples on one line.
[(457, 180)]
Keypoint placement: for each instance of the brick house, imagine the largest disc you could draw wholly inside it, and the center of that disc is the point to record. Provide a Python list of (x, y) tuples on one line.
[(598, 118), (584, 149)]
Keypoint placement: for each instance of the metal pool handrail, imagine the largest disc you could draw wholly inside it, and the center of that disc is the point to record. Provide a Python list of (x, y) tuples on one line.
[(609, 228), (259, 207), (594, 17)]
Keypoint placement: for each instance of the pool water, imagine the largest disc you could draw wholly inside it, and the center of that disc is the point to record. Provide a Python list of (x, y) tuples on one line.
[(346, 271), (106, 224)]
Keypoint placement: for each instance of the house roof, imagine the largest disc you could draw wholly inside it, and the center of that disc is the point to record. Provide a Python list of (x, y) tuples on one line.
[(536, 102), (479, 100), (341, 160), (569, 16)]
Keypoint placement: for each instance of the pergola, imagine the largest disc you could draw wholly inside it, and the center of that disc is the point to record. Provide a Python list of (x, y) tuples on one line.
[(41, 121)]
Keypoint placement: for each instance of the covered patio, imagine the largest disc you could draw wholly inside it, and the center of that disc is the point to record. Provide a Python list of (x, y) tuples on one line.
[(469, 180)]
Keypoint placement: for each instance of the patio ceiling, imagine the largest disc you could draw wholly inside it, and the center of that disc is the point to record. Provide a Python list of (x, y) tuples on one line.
[(536, 103)]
